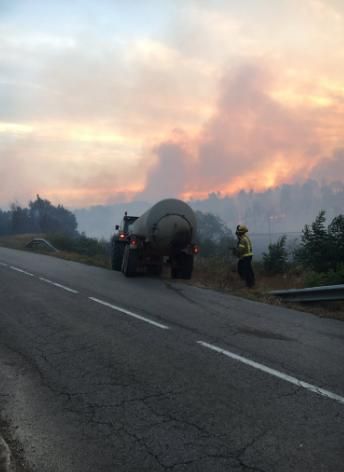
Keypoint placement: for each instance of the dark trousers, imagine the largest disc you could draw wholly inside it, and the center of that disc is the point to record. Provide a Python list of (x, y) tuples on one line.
[(245, 270)]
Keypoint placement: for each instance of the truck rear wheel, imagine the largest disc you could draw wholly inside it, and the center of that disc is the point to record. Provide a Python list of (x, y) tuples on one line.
[(129, 263), (174, 267), (182, 266), (187, 266), (155, 265), (117, 255), (155, 269)]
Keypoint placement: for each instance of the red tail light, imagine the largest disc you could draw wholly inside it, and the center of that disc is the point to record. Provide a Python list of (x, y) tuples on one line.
[(133, 242), (195, 249), (121, 235)]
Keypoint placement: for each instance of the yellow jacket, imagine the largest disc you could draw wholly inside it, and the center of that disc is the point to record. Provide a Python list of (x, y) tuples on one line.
[(244, 248)]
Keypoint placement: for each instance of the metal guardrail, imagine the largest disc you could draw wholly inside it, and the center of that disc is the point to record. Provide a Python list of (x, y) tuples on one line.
[(41, 244), (314, 294)]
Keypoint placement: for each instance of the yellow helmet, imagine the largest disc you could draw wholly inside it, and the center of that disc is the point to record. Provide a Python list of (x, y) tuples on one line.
[(241, 229)]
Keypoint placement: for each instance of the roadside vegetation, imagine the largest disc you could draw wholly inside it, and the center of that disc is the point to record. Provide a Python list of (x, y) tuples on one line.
[(41, 219), (318, 259)]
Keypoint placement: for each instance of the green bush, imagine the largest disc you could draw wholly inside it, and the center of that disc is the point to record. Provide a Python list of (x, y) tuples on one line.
[(275, 261), (332, 277), (80, 244)]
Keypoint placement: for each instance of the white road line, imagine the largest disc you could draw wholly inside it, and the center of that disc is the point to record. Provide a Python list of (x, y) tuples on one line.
[(276, 373), (129, 313), (22, 271), (3, 264), (58, 285)]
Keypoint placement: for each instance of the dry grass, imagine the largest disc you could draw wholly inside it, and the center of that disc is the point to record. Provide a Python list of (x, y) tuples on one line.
[(18, 241), (99, 260), (221, 274)]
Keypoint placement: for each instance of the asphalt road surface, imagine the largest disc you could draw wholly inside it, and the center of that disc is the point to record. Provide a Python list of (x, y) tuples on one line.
[(104, 374)]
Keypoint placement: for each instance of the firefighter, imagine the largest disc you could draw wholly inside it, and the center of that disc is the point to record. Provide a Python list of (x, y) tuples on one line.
[(244, 252)]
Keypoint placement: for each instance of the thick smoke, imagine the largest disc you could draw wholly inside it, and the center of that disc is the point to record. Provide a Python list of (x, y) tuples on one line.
[(174, 163), (252, 141), (330, 169), (28, 168)]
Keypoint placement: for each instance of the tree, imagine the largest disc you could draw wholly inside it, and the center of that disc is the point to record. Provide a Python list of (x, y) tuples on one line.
[(336, 235), (276, 259), (47, 218), (211, 227), (20, 220), (5, 222), (214, 236), (322, 249), (40, 217)]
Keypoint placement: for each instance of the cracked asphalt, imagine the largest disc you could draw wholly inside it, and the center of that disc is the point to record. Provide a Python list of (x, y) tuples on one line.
[(84, 387)]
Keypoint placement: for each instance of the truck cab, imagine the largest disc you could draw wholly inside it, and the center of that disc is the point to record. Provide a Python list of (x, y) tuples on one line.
[(124, 228), (119, 240)]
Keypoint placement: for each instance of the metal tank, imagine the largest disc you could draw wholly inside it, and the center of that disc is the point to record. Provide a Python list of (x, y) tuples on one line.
[(170, 225)]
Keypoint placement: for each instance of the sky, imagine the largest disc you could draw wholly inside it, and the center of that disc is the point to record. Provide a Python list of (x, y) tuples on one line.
[(110, 100)]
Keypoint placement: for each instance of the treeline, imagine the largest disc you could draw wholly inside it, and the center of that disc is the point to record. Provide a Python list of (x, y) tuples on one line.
[(39, 217), (58, 225), (281, 209)]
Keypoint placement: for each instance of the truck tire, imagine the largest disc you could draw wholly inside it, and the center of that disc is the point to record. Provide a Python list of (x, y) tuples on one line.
[(175, 265), (117, 255), (129, 263), (182, 266), (187, 266), (155, 269), (155, 266)]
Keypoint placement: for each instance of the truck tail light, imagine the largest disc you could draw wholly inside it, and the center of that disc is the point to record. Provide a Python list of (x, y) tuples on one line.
[(122, 236), (195, 249), (133, 242)]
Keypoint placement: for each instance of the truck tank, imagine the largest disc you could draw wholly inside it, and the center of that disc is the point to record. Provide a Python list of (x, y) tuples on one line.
[(170, 225)]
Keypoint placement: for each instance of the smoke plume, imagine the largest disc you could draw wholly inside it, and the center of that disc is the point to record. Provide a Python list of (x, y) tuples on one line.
[(253, 141)]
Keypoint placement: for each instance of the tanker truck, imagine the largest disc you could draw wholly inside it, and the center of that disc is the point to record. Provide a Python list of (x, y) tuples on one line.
[(167, 232)]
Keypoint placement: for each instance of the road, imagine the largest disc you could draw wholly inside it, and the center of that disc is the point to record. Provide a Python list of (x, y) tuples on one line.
[(102, 373)]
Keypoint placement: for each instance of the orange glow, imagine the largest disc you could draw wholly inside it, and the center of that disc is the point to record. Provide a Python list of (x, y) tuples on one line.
[(80, 197), (84, 191)]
